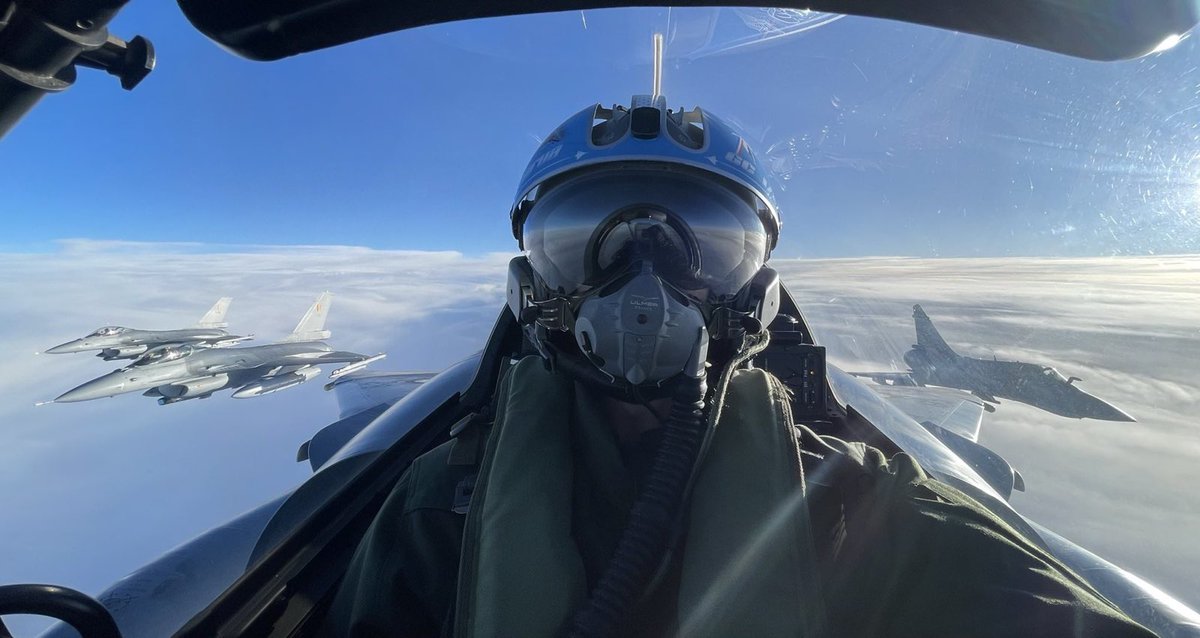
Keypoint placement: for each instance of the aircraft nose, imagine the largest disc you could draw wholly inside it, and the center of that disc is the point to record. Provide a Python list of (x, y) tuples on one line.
[(1113, 413), (105, 386), (67, 348), (1097, 408)]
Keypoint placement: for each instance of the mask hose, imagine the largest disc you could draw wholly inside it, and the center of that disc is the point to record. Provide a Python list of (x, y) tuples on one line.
[(651, 519)]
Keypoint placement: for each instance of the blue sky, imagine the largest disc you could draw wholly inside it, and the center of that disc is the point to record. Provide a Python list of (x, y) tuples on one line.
[(888, 138)]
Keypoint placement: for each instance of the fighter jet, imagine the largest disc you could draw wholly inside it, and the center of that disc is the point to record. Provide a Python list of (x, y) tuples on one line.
[(932, 361), (180, 372), (117, 342)]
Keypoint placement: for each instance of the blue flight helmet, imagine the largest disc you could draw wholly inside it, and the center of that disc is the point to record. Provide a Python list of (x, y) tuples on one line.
[(645, 234)]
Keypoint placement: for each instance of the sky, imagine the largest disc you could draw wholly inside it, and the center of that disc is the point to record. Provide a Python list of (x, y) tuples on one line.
[(1030, 201), (885, 138)]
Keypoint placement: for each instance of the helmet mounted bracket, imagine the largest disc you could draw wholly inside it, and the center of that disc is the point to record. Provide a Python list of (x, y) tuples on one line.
[(523, 300), (754, 308)]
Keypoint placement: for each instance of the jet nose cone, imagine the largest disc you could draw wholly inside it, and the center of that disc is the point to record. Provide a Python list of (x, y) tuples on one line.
[(66, 348), (1097, 408), (94, 389), (71, 396), (1117, 414)]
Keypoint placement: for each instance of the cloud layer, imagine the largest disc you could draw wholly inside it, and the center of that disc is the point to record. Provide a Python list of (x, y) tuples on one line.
[(90, 491), (1129, 327)]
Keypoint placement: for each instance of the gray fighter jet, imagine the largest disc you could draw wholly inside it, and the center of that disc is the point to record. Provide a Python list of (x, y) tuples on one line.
[(176, 373), (932, 361), (116, 342)]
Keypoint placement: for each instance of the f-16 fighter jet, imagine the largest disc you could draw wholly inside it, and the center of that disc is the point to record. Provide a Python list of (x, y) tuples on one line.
[(932, 361), (179, 372), (116, 342)]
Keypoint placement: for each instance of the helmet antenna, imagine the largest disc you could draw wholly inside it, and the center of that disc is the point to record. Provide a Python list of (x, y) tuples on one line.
[(658, 58)]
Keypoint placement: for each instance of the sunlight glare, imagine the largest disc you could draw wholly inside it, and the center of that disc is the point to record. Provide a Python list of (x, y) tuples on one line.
[(1168, 43)]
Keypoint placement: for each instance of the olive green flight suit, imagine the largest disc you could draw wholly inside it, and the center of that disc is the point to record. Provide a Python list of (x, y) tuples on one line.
[(893, 552)]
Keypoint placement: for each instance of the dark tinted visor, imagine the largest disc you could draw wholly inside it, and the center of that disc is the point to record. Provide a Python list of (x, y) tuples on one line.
[(698, 231)]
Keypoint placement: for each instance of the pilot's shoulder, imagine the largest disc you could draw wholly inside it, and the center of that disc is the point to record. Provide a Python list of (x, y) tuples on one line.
[(839, 457), (901, 525), (434, 481)]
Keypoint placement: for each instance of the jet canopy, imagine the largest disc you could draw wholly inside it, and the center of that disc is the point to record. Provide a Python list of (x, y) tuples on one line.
[(108, 331), (1054, 374), (163, 354)]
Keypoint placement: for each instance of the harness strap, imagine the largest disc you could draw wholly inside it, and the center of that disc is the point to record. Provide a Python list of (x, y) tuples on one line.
[(749, 535), (519, 572)]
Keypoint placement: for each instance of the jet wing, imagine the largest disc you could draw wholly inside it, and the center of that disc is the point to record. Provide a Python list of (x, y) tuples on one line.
[(336, 356), (953, 410), (250, 361), (361, 397), (360, 391), (889, 378), (229, 366)]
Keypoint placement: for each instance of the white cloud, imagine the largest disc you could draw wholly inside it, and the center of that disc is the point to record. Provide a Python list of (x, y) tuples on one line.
[(89, 491), (1130, 327)]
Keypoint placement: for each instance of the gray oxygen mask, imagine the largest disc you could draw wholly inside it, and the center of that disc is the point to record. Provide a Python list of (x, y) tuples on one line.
[(638, 330)]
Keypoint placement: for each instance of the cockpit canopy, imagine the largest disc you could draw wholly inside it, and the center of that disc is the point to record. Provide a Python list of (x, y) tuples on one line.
[(108, 331), (163, 354), (1054, 374)]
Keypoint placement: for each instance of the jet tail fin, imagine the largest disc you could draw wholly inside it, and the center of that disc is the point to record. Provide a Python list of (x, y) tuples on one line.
[(215, 317), (312, 325), (927, 335)]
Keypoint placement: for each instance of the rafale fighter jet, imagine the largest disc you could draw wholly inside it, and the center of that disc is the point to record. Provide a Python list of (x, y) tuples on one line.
[(179, 372), (933, 362), (116, 342)]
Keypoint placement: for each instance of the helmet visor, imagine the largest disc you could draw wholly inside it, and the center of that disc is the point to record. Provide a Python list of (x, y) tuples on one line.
[(699, 232)]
